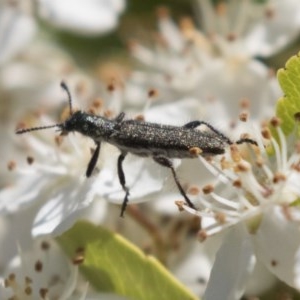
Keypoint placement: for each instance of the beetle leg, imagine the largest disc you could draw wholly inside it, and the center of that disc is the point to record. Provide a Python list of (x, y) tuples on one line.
[(195, 124), (166, 162), (93, 161), (123, 182)]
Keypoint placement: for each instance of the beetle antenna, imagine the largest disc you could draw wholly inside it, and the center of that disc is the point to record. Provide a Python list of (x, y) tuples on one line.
[(65, 87), (23, 130)]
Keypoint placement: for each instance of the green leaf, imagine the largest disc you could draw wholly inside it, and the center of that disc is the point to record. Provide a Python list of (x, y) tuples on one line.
[(112, 264), (289, 104), (296, 202)]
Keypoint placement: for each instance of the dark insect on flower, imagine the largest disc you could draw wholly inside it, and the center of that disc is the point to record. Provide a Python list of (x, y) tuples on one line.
[(161, 142)]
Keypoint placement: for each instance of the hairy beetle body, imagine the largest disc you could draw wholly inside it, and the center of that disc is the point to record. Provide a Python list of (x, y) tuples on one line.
[(159, 141), (148, 139)]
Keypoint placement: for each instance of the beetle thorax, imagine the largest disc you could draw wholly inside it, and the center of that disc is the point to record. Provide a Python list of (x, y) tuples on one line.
[(93, 126)]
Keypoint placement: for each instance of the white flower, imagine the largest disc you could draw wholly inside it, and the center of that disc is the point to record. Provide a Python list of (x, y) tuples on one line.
[(256, 198), (92, 17), (31, 83), (233, 264), (42, 273), (194, 270), (250, 27), (193, 62), (54, 179), (225, 109), (17, 28)]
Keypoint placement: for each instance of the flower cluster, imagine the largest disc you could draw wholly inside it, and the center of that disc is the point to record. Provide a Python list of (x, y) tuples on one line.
[(246, 200)]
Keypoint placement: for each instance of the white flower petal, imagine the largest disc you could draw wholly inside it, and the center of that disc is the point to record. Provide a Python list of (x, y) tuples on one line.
[(171, 34), (143, 177), (194, 271), (165, 202), (16, 30), (23, 193), (175, 113), (90, 17), (271, 34), (277, 243), (190, 173), (220, 83), (66, 206), (233, 264), (35, 270), (260, 281)]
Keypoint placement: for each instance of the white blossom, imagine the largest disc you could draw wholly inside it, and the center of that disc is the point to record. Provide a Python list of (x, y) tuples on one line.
[(192, 61), (255, 195), (91, 18), (44, 272), (17, 28), (250, 28)]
